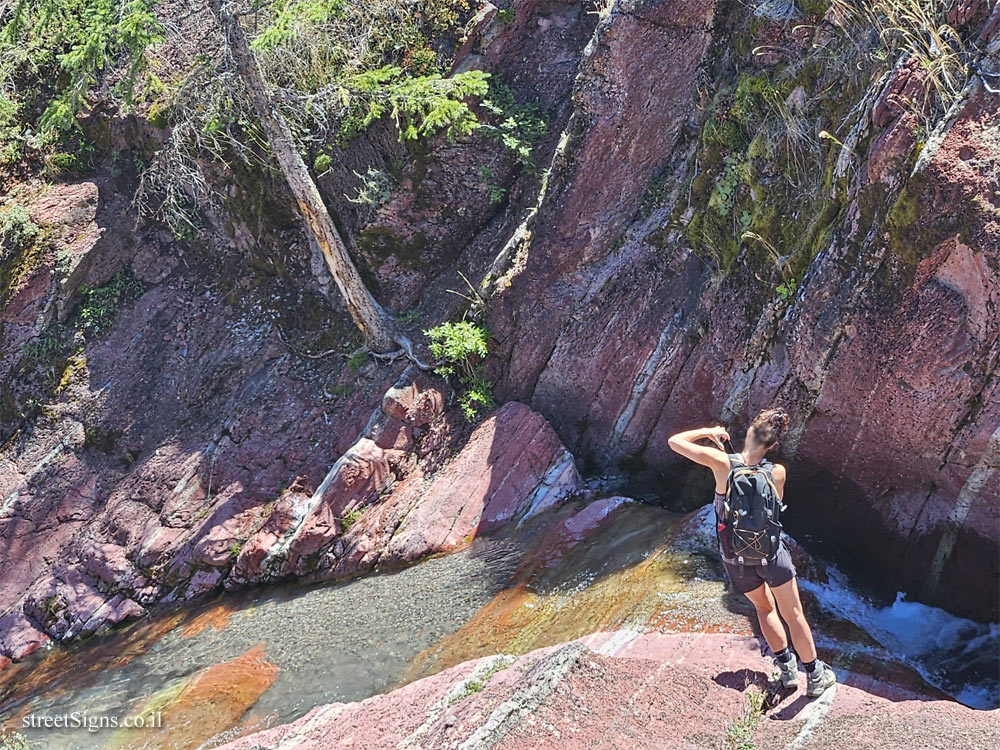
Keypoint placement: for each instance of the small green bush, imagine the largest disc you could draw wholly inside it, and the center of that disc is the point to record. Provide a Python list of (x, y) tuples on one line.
[(341, 390), (10, 132), (159, 114), (445, 16), (787, 289), (456, 345), (518, 126), (420, 106), (357, 360), (422, 61), (724, 195), (460, 348), (17, 231), (350, 518), (494, 190), (322, 163), (740, 733), (68, 45), (45, 347), (477, 398), (70, 163), (375, 188), (101, 304)]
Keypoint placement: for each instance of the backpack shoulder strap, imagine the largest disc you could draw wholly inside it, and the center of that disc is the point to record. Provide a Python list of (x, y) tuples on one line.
[(736, 464)]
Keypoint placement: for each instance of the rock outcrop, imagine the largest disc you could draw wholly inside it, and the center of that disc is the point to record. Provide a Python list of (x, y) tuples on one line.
[(393, 496), (624, 322), (659, 269), (620, 689)]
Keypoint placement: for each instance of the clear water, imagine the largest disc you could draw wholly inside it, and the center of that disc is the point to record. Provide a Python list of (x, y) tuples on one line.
[(348, 641), (330, 643)]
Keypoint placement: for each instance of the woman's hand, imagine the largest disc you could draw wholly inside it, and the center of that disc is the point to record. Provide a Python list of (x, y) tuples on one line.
[(717, 435), (687, 444)]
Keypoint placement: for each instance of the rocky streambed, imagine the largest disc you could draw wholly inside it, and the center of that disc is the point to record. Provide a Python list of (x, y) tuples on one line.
[(560, 615)]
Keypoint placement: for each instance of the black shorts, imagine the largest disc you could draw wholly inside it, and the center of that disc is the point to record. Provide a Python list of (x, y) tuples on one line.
[(777, 572)]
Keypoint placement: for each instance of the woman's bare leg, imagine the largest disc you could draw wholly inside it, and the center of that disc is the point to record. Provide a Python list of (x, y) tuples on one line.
[(770, 623), (790, 607)]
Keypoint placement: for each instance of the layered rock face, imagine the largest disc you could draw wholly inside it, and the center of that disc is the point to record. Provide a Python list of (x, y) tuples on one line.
[(192, 446), (617, 325), (395, 495), (621, 689)]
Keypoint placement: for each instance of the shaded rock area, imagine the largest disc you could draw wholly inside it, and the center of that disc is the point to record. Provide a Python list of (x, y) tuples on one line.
[(614, 690)]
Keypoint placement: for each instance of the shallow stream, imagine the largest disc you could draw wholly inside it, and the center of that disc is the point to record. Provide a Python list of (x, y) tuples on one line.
[(269, 656)]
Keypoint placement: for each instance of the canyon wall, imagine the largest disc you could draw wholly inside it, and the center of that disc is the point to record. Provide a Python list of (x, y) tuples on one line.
[(687, 249)]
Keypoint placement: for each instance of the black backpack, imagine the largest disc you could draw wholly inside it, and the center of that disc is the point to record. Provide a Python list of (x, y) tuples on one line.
[(749, 529)]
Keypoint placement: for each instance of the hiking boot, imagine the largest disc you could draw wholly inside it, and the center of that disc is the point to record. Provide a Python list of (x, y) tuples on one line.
[(788, 673), (819, 680)]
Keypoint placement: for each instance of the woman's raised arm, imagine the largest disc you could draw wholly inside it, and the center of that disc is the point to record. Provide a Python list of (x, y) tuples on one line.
[(686, 443)]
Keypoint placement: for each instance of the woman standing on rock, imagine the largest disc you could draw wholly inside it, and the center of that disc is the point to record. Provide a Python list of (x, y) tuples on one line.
[(748, 492)]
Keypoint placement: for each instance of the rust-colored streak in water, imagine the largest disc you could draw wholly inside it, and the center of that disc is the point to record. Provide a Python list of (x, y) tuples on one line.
[(60, 670), (216, 616), (628, 575), (210, 702)]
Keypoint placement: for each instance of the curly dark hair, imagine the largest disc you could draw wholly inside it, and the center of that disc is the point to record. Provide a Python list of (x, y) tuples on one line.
[(770, 426)]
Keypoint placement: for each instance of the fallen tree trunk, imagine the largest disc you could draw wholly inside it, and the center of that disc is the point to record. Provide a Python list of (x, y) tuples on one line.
[(365, 311)]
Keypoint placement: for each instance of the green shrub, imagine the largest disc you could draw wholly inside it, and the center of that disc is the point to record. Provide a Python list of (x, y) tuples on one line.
[(70, 43), (477, 397), (494, 190), (159, 114), (45, 347), (350, 518), (375, 188), (322, 163), (341, 389), (460, 348), (458, 345), (17, 231), (357, 359), (420, 106), (445, 16), (724, 195), (518, 126), (10, 131), (422, 61), (101, 304), (63, 162), (787, 289), (740, 733)]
